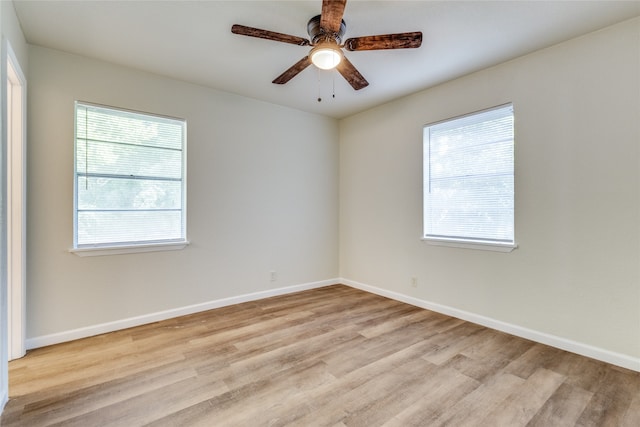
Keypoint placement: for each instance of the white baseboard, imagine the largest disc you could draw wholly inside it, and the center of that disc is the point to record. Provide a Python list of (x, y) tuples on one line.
[(541, 337), (603, 355), (102, 328)]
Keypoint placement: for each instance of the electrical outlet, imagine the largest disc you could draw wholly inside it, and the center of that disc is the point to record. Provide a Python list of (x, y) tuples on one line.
[(274, 276), (414, 282)]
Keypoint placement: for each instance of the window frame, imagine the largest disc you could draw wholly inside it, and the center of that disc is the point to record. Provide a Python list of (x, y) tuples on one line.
[(117, 248), (461, 242)]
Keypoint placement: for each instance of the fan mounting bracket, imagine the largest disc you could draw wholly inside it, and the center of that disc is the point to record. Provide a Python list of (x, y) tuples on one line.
[(319, 35)]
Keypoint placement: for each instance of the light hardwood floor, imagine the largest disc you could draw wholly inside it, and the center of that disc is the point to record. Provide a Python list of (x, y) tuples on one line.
[(333, 356)]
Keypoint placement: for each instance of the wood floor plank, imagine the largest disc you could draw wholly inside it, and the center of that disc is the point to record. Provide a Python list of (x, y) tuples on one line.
[(368, 351), (480, 370), (498, 347), (333, 356), (363, 388), (451, 342), (484, 399), (382, 397), (87, 374), (322, 401), (609, 404), (252, 403), (157, 403), (563, 407), (444, 389), (525, 401), (632, 416), (58, 409), (538, 355), (580, 371)]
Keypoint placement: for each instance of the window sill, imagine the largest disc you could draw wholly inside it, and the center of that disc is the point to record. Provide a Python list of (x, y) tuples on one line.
[(130, 249), (496, 247)]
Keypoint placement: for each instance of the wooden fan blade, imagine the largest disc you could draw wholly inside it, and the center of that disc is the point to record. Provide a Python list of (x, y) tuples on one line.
[(350, 74), (385, 41), (268, 35), (331, 16), (293, 71)]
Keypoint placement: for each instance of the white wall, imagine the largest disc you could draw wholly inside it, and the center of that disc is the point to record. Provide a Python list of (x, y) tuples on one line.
[(12, 31), (262, 196), (576, 274)]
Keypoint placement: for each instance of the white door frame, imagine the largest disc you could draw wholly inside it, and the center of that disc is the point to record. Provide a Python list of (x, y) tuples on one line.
[(16, 103)]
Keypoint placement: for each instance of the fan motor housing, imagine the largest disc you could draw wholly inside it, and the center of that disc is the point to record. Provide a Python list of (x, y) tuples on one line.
[(318, 35)]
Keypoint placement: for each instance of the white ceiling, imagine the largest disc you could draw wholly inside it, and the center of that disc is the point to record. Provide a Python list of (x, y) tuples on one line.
[(192, 41)]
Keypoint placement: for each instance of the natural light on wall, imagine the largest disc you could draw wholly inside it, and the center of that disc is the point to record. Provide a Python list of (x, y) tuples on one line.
[(469, 179)]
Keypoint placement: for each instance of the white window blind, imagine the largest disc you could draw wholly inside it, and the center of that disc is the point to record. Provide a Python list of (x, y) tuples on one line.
[(129, 178), (469, 178)]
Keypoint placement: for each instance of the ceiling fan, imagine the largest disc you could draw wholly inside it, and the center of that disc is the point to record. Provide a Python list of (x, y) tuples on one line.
[(325, 32)]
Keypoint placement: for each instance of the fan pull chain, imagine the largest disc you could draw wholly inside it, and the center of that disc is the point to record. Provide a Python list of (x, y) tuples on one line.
[(333, 82), (318, 74)]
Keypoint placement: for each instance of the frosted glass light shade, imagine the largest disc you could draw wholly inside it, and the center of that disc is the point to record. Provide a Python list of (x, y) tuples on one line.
[(326, 57)]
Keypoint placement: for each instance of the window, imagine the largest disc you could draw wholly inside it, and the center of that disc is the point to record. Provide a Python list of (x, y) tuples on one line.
[(468, 180), (129, 179)]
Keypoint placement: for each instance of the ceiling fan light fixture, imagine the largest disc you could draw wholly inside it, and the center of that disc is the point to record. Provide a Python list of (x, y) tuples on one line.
[(326, 56)]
